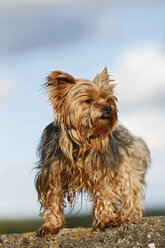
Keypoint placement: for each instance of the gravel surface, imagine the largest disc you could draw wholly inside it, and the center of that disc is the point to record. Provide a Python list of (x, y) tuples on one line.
[(148, 232)]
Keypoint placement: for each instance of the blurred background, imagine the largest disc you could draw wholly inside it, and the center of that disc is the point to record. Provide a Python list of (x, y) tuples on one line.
[(79, 37)]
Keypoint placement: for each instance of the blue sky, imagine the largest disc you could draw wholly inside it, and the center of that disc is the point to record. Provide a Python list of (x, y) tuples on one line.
[(80, 38)]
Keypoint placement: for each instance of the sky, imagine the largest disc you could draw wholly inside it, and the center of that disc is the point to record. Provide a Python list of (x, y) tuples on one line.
[(80, 38)]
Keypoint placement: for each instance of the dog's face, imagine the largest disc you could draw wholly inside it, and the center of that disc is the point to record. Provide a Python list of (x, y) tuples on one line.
[(87, 106)]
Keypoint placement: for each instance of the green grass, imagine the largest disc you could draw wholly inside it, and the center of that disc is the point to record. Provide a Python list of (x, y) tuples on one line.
[(21, 226), (154, 212)]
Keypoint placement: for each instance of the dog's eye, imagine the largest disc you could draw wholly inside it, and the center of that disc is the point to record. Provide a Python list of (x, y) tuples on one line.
[(89, 101)]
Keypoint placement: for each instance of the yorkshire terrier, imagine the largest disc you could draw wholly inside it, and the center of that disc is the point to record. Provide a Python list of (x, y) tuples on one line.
[(85, 150)]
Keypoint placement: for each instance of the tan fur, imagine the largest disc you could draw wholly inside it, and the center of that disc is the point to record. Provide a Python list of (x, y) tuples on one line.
[(85, 150)]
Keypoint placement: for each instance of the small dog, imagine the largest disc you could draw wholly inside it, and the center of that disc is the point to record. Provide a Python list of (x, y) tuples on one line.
[(85, 150)]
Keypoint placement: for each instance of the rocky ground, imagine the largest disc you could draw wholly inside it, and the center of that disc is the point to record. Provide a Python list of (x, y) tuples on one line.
[(148, 232)]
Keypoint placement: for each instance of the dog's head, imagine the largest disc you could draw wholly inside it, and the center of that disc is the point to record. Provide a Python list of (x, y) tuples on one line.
[(80, 104)]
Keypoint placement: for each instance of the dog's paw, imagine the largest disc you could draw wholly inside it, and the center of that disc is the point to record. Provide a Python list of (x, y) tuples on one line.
[(46, 229), (104, 223)]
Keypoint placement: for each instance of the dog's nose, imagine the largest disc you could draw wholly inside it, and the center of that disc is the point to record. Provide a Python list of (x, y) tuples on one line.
[(107, 110)]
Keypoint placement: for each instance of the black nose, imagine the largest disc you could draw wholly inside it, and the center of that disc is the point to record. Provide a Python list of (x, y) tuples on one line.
[(107, 110)]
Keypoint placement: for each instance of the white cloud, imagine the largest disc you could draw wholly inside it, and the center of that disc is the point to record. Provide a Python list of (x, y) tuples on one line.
[(6, 88), (3, 170), (155, 185), (141, 74), (41, 1), (148, 123), (70, 1)]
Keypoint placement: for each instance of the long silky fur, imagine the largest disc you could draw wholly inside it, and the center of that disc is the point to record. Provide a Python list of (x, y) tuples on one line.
[(85, 150), (49, 151)]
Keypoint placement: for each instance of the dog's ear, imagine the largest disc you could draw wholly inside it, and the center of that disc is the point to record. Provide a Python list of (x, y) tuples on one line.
[(102, 78), (58, 85), (60, 80)]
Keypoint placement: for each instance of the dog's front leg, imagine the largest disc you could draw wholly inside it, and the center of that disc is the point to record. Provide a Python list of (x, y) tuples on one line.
[(53, 213), (105, 205)]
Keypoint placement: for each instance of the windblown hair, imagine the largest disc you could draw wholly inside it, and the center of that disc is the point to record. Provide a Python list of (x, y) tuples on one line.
[(85, 150)]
